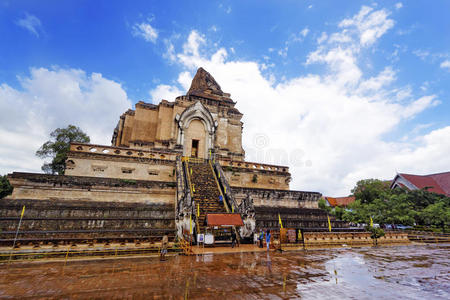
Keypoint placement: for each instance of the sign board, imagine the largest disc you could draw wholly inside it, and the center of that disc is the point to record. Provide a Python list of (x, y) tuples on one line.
[(292, 237), (201, 238), (209, 239)]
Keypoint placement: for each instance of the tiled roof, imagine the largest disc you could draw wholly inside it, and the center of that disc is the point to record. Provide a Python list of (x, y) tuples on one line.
[(437, 183), (224, 219), (340, 201), (443, 180)]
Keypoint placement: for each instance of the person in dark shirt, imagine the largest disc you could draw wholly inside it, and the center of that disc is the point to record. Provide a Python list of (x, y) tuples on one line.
[(233, 239), (261, 239)]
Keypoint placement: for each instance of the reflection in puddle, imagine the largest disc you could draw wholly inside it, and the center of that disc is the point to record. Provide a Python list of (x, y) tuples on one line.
[(412, 272)]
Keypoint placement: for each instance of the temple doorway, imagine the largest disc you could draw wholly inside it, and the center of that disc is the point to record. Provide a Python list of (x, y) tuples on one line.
[(194, 149), (195, 140)]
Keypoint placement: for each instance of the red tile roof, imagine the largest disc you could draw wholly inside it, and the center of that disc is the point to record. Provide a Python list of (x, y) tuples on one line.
[(437, 183), (443, 179), (224, 219), (340, 201)]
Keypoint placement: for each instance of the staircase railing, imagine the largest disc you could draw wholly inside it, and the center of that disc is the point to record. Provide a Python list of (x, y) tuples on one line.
[(225, 204), (184, 205), (180, 186), (187, 172), (234, 208), (186, 247), (229, 197)]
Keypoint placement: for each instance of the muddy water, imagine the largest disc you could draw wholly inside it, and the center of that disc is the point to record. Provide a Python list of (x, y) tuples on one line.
[(406, 272)]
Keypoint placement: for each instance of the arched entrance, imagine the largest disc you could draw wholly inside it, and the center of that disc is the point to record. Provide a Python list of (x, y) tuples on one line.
[(196, 131), (195, 139)]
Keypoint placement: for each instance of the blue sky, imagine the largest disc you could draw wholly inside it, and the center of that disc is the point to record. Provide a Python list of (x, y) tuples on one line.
[(351, 89)]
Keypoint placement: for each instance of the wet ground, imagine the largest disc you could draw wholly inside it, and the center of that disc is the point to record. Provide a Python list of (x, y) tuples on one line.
[(402, 272)]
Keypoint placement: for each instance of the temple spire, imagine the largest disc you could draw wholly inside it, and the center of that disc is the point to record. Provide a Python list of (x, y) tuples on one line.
[(204, 83)]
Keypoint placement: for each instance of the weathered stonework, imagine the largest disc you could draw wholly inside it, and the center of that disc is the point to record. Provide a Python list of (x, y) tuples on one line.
[(120, 163), (144, 167), (277, 198), (47, 187), (207, 115), (58, 221)]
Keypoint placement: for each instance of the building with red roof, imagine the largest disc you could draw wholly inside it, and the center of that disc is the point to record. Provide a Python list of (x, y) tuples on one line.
[(340, 201), (438, 183)]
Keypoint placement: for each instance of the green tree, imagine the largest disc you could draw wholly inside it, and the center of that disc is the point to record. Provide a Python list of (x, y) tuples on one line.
[(323, 205), (338, 212), (5, 187), (397, 208), (368, 190), (437, 214), (357, 212), (58, 146)]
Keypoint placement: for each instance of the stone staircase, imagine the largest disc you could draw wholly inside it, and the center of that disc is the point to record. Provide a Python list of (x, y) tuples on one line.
[(206, 192)]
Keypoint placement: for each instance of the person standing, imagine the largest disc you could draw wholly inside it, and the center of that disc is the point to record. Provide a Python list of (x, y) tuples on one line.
[(261, 239), (268, 236), (233, 238), (164, 243)]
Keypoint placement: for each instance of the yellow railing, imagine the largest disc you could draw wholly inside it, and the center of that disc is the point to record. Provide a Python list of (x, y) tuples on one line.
[(218, 187), (191, 187), (186, 247), (223, 198), (188, 170)]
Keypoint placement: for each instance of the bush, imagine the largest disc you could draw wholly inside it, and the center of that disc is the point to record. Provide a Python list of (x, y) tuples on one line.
[(376, 233)]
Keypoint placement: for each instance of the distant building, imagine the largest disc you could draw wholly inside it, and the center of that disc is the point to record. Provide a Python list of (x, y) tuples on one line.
[(437, 183), (340, 201)]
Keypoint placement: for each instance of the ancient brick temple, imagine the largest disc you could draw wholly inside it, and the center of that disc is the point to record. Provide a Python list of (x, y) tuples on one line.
[(186, 155)]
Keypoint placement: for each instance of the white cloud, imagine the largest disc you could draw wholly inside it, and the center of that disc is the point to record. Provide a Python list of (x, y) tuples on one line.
[(298, 37), (445, 65), (323, 37), (398, 5), (340, 50), (329, 128), (165, 92), (52, 98), (283, 52), (304, 32), (145, 31), (422, 54), (30, 23), (369, 24)]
